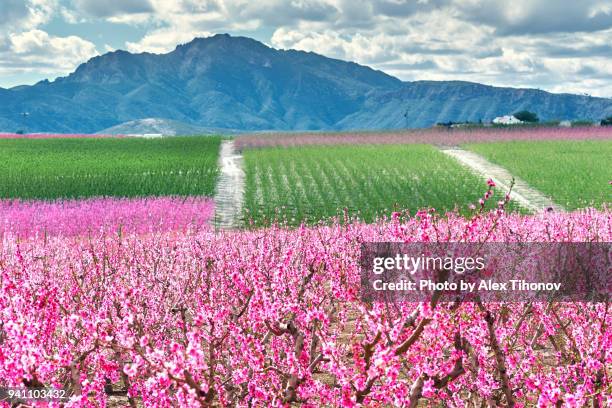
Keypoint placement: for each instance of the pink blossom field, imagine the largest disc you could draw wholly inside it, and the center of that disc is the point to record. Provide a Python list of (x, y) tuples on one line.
[(68, 218), (273, 317), (444, 137)]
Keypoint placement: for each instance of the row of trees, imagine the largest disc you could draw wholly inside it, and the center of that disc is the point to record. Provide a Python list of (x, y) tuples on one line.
[(526, 116), (530, 118)]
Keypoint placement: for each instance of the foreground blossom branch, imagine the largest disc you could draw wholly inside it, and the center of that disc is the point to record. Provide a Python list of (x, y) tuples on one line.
[(499, 356), (416, 391)]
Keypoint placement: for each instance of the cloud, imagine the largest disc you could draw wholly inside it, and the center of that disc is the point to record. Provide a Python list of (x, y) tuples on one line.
[(401, 40), (529, 44), (175, 22), (36, 50), (11, 10), (70, 16), (332, 43), (103, 9), (26, 49), (581, 50), (25, 14), (404, 8), (281, 12), (164, 40), (524, 17)]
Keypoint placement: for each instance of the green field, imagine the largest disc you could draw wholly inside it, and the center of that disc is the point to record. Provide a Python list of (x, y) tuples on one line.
[(575, 174), (314, 183), (128, 167)]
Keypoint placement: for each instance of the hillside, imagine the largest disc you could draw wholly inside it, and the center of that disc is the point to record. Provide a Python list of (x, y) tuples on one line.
[(239, 83), (166, 127)]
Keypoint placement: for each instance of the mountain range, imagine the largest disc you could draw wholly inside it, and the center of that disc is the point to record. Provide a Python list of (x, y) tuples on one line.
[(225, 82)]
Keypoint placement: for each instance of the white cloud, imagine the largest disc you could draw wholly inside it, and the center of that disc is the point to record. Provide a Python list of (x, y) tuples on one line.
[(414, 43), (36, 50), (357, 47), (133, 19), (26, 49), (25, 14), (524, 17), (164, 40), (70, 16), (440, 42), (98, 8), (180, 21)]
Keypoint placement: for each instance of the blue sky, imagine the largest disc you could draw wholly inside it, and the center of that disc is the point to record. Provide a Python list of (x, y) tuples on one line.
[(556, 45)]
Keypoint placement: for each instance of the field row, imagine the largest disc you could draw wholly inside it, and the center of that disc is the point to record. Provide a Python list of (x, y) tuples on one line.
[(312, 183), (91, 167), (574, 174)]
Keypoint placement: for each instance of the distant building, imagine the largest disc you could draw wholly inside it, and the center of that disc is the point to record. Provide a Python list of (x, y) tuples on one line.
[(565, 123), (506, 120)]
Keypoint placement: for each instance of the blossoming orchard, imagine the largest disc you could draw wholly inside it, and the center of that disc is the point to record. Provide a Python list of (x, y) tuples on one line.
[(274, 317)]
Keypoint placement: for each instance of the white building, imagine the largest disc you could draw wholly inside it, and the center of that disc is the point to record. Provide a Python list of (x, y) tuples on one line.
[(506, 120)]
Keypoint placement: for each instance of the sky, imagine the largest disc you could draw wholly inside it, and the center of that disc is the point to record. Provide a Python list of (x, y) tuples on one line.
[(555, 45)]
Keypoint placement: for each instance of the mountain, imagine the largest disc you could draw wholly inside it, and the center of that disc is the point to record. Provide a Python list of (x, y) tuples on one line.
[(239, 83), (166, 127)]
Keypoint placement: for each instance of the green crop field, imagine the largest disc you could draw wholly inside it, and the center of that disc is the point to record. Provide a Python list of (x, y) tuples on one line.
[(314, 183), (128, 167), (575, 174)]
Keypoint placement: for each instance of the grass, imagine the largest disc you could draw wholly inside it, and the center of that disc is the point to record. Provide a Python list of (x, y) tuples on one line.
[(575, 174), (314, 183), (127, 167)]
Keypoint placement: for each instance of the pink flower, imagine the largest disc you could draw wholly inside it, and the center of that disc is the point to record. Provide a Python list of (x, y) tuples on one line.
[(490, 183), (428, 389), (130, 370)]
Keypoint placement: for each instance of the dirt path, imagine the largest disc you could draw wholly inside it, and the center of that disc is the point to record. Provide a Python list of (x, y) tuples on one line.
[(525, 195), (230, 188)]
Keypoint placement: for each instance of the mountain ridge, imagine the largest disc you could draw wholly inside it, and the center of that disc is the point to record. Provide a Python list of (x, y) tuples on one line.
[(239, 83)]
